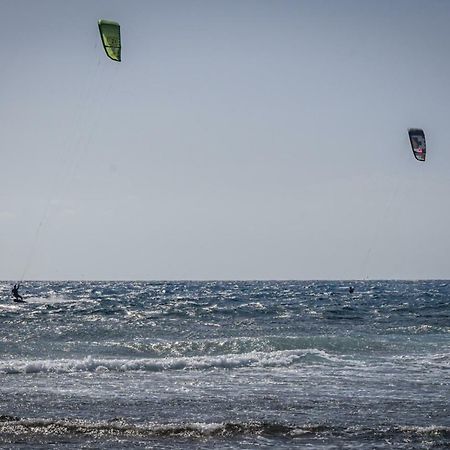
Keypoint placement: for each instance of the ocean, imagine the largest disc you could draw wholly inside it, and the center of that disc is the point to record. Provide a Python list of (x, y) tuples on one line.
[(223, 364)]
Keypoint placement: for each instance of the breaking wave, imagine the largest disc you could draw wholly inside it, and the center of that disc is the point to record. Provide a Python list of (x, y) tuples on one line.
[(90, 364), (121, 427)]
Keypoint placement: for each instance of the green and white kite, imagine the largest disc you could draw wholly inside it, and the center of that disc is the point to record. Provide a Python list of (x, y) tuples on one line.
[(110, 34)]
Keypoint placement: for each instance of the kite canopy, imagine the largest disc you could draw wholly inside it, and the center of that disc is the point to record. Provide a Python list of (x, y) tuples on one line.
[(110, 34), (418, 144)]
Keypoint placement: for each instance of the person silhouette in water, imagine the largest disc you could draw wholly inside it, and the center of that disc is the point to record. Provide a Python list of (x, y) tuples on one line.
[(15, 293)]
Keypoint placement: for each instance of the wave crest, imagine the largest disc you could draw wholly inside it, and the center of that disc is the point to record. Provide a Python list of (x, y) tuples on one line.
[(90, 364), (120, 427)]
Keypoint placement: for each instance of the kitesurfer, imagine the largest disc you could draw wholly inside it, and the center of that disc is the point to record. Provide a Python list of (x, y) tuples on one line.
[(15, 293)]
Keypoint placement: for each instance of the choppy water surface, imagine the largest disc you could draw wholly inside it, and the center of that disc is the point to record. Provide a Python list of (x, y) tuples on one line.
[(225, 365)]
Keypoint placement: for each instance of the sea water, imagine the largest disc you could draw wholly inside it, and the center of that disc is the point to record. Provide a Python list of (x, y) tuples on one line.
[(284, 364)]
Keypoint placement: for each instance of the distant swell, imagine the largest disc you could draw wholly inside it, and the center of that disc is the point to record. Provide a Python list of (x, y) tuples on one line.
[(231, 361), (118, 427)]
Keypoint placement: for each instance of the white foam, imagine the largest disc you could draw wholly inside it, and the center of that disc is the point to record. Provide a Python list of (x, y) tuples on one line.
[(284, 358), (9, 307), (431, 429), (52, 299)]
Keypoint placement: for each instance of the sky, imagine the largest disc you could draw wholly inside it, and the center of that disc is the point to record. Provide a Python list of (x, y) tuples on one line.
[(238, 139)]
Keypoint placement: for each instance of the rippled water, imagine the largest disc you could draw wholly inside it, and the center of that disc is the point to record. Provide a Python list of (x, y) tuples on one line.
[(226, 365)]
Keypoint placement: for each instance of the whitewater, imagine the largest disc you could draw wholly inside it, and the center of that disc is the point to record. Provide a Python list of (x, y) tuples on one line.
[(224, 364)]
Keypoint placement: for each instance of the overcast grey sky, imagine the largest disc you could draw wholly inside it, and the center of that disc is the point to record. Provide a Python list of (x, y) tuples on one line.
[(244, 139)]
